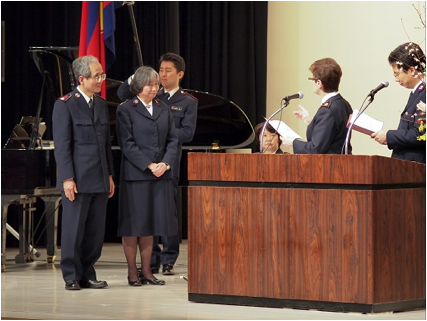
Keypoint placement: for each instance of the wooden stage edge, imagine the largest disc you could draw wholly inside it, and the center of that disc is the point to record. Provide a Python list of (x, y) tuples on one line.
[(307, 304)]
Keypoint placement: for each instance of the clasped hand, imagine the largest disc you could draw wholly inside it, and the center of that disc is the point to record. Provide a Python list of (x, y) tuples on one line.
[(158, 169)]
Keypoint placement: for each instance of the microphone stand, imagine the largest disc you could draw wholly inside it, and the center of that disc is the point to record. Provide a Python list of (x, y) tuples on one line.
[(35, 128), (361, 111), (266, 122)]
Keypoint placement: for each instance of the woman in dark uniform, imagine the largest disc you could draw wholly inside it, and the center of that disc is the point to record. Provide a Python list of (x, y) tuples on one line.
[(327, 131), (147, 138)]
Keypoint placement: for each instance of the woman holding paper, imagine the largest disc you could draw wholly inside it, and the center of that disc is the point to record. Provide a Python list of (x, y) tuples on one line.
[(408, 141), (326, 132)]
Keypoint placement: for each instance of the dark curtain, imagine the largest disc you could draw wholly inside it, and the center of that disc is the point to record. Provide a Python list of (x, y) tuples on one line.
[(224, 45)]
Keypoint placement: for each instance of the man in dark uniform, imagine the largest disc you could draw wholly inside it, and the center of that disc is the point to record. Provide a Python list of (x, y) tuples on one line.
[(408, 63), (81, 134), (184, 111), (327, 131)]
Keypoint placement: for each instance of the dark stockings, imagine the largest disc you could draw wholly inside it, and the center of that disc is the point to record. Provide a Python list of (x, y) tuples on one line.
[(145, 244)]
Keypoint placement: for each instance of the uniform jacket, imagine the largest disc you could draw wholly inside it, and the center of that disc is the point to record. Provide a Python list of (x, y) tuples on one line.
[(145, 139), (184, 110), (327, 131), (403, 141), (82, 143)]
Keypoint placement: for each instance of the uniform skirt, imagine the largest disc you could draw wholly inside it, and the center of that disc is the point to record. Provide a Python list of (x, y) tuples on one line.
[(147, 208)]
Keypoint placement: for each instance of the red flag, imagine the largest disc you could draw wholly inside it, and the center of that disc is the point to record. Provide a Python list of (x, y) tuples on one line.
[(97, 33)]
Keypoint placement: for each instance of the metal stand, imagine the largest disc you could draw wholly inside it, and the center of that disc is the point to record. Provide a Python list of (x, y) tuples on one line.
[(52, 199)]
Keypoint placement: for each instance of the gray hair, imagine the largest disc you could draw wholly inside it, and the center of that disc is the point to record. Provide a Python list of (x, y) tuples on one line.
[(81, 66), (142, 77)]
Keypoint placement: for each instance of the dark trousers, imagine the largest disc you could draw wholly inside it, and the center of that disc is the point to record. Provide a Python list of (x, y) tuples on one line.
[(83, 229), (170, 251)]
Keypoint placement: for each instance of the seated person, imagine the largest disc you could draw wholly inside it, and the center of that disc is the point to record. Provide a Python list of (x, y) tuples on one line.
[(271, 141)]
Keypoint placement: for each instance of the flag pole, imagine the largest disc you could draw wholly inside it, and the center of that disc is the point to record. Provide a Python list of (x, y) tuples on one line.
[(135, 31)]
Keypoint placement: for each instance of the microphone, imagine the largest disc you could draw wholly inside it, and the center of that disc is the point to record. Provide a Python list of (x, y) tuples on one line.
[(380, 86), (298, 95)]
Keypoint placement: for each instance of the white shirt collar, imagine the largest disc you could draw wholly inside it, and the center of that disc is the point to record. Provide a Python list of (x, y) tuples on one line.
[(329, 95)]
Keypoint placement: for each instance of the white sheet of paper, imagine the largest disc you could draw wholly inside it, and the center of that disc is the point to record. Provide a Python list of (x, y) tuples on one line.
[(283, 129), (365, 123)]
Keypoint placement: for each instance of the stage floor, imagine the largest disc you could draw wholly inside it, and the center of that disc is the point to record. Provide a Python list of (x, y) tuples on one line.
[(36, 291)]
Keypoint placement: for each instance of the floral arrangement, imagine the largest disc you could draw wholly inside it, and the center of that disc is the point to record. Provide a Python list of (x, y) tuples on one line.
[(421, 119), (418, 62)]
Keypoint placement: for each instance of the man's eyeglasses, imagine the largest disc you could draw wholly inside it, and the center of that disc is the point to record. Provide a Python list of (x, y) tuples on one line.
[(397, 74), (99, 78)]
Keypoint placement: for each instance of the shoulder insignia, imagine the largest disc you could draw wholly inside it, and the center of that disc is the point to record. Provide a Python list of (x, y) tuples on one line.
[(421, 87), (65, 98), (326, 104), (135, 101), (188, 94), (77, 95), (177, 108)]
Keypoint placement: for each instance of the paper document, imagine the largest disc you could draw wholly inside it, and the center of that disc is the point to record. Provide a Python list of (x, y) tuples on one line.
[(283, 129), (365, 124)]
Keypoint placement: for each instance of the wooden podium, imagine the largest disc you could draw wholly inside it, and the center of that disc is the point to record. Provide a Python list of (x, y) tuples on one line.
[(326, 232)]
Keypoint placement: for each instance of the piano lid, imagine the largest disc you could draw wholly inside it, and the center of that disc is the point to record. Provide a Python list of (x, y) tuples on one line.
[(220, 122)]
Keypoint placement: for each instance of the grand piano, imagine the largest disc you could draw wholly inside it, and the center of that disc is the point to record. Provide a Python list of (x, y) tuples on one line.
[(30, 174)]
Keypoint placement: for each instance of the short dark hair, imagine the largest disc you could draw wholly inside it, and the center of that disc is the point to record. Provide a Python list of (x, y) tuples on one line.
[(176, 59), (269, 128), (408, 55)]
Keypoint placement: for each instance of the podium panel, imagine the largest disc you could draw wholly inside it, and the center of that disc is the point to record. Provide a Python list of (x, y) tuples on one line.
[(279, 235)]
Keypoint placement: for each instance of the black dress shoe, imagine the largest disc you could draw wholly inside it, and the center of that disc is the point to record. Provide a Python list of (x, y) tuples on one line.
[(167, 269), (93, 284), (153, 281), (134, 283), (155, 269), (72, 285)]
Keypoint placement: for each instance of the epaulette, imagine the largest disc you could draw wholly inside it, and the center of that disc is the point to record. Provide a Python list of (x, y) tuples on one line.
[(124, 102), (421, 87), (187, 93), (65, 98), (326, 104)]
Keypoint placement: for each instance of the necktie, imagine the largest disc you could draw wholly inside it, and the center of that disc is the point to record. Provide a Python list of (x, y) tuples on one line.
[(167, 95), (90, 103)]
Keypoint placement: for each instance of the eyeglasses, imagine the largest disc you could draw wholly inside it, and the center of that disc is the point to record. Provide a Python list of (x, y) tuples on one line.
[(99, 78), (397, 74), (314, 79)]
